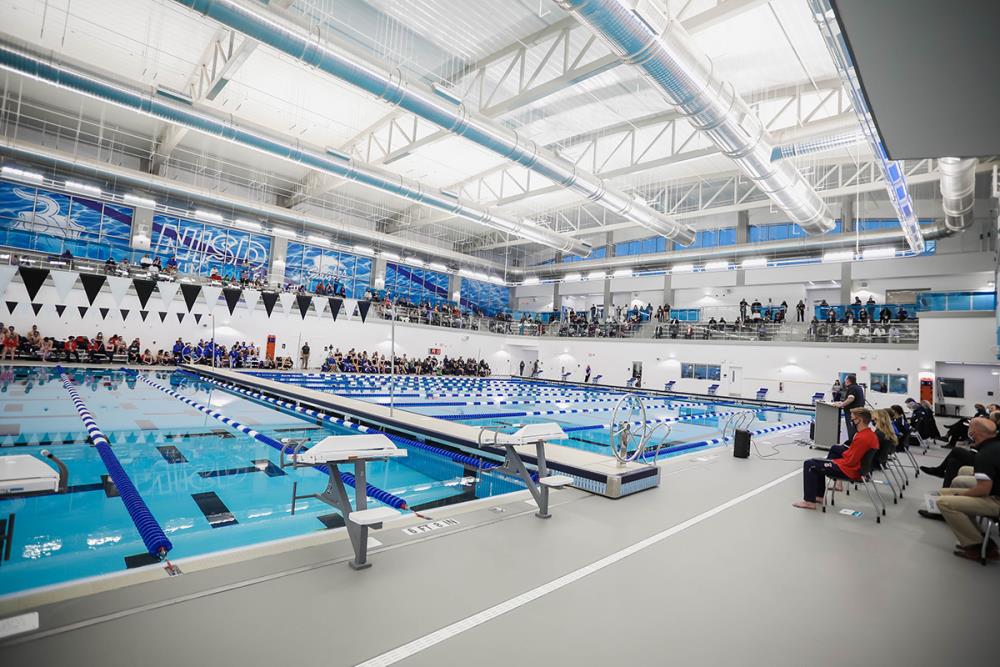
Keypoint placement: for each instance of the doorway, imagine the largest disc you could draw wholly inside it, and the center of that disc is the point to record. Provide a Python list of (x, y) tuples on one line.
[(734, 380)]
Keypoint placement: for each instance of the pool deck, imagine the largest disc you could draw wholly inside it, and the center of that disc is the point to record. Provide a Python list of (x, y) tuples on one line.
[(713, 567), (594, 472)]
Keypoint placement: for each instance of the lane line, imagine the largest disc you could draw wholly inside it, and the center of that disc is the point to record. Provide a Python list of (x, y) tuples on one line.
[(417, 645)]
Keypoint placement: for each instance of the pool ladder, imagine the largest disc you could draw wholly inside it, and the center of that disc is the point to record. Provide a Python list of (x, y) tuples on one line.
[(737, 421), (628, 445)]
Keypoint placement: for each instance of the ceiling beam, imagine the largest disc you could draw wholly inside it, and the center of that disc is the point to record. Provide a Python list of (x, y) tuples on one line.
[(486, 87), (225, 54)]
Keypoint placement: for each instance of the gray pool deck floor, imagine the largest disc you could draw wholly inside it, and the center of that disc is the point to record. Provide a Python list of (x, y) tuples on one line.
[(733, 575)]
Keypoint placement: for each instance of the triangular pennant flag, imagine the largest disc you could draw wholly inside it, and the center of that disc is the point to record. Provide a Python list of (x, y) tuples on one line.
[(363, 307), (163, 315), (60, 310), (335, 306), (11, 305), (144, 288), (190, 293), (83, 310), (33, 279), (6, 273), (211, 296), (197, 318), (92, 284), (303, 301), (232, 295), (124, 312), (270, 298), (119, 287), (64, 281), (251, 297), (180, 317), (287, 300), (167, 292), (349, 307), (36, 307), (104, 312), (143, 314)]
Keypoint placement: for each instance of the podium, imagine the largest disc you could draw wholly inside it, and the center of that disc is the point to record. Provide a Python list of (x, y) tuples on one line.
[(827, 430)]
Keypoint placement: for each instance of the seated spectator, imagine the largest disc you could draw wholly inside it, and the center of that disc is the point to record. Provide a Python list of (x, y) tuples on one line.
[(976, 495), (45, 349), (894, 334), (841, 461), (110, 265), (11, 341), (34, 338), (147, 358), (133, 351), (70, 349), (215, 276)]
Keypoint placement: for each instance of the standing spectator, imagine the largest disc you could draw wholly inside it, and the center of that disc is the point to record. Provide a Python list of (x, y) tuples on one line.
[(854, 397), (304, 356), (522, 368), (800, 311), (586, 376), (743, 308)]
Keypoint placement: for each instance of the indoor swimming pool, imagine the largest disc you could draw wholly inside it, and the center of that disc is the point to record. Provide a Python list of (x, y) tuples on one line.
[(210, 486), (584, 412)]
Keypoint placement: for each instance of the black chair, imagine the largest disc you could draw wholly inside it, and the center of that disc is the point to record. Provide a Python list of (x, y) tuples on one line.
[(866, 479)]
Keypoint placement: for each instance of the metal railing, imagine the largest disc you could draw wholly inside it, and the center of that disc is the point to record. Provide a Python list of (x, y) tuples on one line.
[(578, 327)]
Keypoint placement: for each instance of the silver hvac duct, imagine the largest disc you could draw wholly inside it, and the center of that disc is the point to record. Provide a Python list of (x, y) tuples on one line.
[(273, 29), (663, 51), (665, 260), (223, 127), (958, 191), (166, 187), (824, 144)]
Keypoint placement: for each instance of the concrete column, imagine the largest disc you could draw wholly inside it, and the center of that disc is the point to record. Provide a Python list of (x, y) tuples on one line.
[(848, 214), (455, 288), (742, 227), (142, 229), (846, 282), (276, 267), (668, 290), (556, 297), (609, 250), (378, 273)]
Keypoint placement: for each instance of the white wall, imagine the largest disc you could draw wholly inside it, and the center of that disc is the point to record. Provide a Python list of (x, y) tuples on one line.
[(982, 385), (791, 372), (290, 329)]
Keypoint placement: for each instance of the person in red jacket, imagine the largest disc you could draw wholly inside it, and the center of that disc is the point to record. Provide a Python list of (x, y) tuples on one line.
[(847, 463)]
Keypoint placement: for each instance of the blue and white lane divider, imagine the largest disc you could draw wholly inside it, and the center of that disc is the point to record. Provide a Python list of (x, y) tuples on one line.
[(372, 491), (717, 441), (481, 464), (149, 528)]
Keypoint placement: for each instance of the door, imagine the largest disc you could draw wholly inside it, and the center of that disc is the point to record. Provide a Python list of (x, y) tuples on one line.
[(734, 379), (637, 372)]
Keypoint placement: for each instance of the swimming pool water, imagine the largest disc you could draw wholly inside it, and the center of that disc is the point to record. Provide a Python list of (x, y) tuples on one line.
[(210, 487), (583, 412)]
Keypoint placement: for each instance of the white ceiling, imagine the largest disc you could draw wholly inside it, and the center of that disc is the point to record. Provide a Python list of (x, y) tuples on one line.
[(159, 42)]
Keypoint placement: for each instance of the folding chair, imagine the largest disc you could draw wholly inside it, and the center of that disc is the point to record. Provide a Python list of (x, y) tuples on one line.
[(866, 479)]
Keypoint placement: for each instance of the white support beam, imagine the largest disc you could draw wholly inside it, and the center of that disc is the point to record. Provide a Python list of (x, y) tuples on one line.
[(721, 194), (647, 143), (225, 54), (522, 73)]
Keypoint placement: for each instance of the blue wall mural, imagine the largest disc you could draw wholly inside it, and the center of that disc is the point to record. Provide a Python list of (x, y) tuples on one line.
[(199, 247), (415, 284), (488, 298), (308, 265), (52, 222)]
